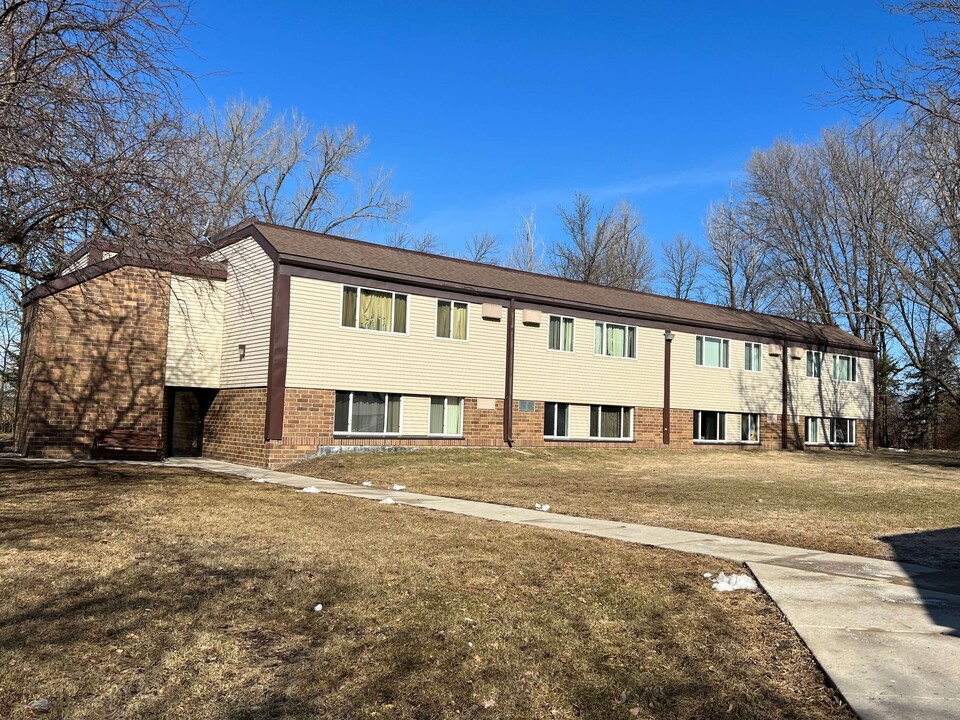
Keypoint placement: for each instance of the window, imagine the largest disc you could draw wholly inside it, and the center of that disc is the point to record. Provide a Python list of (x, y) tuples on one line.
[(749, 428), (844, 368), (814, 363), (608, 421), (556, 420), (452, 319), (811, 434), (446, 416), (366, 413), (560, 336), (843, 431), (713, 352), (752, 357), (615, 340), (378, 310), (709, 426), (527, 405)]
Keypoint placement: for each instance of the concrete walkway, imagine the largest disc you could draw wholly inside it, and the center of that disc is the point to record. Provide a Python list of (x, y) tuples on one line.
[(885, 633)]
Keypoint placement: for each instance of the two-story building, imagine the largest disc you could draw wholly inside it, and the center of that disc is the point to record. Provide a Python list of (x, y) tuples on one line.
[(274, 342)]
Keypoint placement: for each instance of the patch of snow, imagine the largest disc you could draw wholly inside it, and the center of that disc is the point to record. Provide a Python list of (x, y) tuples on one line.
[(387, 501), (708, 575), (542, 507), (310, 489), (258, 480), (367, 483), (729, 583), (318, 607), (399, 487)]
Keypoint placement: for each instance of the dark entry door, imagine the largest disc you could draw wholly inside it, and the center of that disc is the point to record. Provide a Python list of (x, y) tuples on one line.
[(186, 424)]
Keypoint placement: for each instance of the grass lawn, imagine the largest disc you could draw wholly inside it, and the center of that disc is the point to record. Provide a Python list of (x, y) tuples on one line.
[(844, 502), (150, 592)]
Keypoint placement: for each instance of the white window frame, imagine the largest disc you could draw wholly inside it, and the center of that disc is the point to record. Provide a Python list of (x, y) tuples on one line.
[(817, 365), (554, 435), (698, 426), (750, 442), (724, 352), (748, 352), (356, 317), (445, 434), (386, 399), (436, 316), (629, 330), (833, 431), (624, 410), (573, 333), (817, 424), (853, 368)]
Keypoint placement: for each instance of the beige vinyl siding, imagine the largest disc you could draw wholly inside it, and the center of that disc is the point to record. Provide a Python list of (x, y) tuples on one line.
[(247, 306), (195, 332), (582, 377), (695, 387), (322, 354), (416, 415), (826, 397)]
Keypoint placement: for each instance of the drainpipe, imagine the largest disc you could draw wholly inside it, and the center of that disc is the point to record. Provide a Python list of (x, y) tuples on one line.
[(784, 390), (667, 345), (508, 375), (876, 405)]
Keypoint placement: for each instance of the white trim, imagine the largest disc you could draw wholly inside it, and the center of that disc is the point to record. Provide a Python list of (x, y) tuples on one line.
[(698, 427), (853, 368), (626, 356), (629, 408), (436, 315), (806, 364), (557, 404), (725, 344), (550, 316), (393, 299), (748, 348), (444, 434), (386, 404)]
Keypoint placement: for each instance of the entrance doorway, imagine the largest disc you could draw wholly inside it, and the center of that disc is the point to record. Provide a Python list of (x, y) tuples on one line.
[(187, 409)]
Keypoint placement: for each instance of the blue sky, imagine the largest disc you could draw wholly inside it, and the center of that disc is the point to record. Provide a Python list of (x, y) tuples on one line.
[(485, 110)]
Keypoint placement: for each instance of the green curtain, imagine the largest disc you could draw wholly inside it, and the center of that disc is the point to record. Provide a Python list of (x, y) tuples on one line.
[(460, 321), (567, 340), (436, 415), (400, 314), (349, 312), (443, 319), (453, 416), (616, 340), (598, 339), (393, 413)]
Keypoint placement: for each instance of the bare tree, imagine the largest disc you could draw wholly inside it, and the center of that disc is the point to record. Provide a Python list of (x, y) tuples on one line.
[(427, 243), (284, 171), (483, 248), (682, 264), (603, 247), (527, 251), (742, 278)]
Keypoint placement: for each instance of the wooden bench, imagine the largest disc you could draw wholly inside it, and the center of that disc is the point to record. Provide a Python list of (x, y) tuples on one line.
[(125, 443)]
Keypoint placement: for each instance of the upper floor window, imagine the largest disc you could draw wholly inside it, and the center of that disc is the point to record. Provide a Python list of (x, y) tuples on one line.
[(844, 368), (452, 319), (814, 363), (560, 335), (379, 310), (713, 352), (753, 357), (615, 340)]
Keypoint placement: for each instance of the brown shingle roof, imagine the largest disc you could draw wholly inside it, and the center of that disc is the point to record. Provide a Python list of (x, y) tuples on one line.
[(305, 247)]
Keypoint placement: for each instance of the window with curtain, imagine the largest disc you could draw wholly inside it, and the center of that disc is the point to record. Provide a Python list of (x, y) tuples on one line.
[(560, 333), (814, 363), (752, 357), (713, 352), (842, 431), (611, 422), (615, 340), (377, 310), (446, 416), (749, 428), (811, 434), (844, 368), (366, 413), (452, 319), (556, 419), (709, 426)]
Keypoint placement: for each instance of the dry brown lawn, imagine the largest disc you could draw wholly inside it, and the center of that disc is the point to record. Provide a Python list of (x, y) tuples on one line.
[(903, 506), (150, 592)]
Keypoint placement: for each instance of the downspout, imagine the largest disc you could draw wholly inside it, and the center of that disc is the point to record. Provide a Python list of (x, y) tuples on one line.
[(667, 346), (876, 405), (508, 375), (785, 384)]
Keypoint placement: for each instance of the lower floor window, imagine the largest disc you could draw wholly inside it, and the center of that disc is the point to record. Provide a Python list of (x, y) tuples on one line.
[(709, 425), (367, 413), (446, 416), (838, 431), (609, 421), (556, 420), (749, 428)]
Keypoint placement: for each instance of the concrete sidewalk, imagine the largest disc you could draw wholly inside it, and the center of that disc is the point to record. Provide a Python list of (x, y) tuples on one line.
[(885, 633)]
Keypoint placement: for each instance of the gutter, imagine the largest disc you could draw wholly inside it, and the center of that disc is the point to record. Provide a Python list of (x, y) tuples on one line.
[(508, 374)]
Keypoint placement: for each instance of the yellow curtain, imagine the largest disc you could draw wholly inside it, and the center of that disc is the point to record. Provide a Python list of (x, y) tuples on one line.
[(460, 322), (375, 310), (443, 319)]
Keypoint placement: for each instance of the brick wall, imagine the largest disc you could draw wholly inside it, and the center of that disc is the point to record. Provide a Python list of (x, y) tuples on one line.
[(234, 427), (93, 358)]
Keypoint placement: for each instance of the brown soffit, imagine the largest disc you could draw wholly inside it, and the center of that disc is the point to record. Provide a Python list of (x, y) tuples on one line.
[(192, 268)]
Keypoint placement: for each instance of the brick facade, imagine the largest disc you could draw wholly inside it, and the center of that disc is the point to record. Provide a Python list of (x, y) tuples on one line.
[(93, 357), (234, 427)]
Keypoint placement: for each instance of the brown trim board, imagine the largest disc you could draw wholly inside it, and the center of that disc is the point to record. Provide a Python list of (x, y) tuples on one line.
[(277, 366), (667, 347), (784, 389), (508, 374)]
